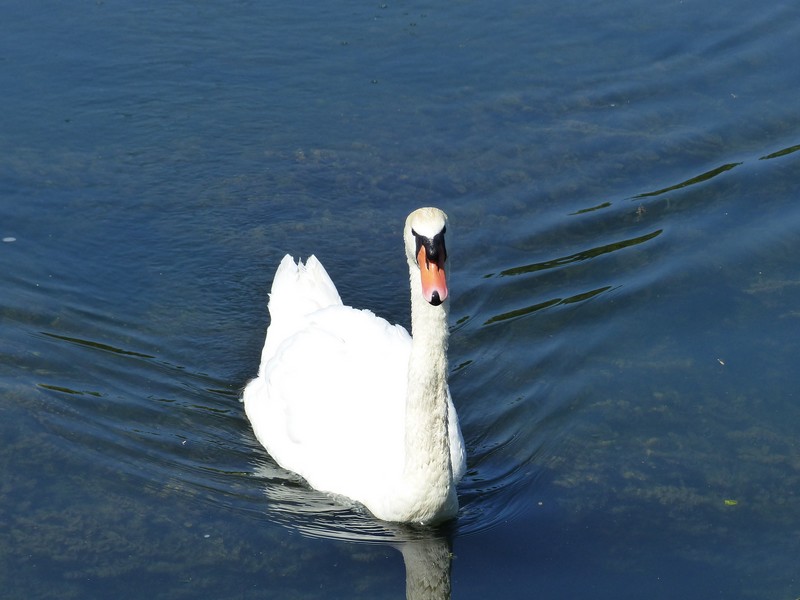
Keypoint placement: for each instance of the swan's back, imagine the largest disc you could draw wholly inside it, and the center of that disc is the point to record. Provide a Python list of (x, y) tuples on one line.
[(329, 401)]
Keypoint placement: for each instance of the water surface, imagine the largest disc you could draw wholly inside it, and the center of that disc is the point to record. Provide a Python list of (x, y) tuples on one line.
[(621, 182)]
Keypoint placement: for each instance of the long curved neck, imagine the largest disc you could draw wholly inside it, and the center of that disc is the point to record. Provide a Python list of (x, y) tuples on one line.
[(427, 447)]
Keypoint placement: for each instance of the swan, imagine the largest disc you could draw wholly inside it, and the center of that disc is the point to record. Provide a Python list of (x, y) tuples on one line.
[(355, 405)]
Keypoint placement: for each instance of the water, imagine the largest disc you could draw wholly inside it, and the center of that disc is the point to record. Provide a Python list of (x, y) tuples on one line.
[(621, 182)]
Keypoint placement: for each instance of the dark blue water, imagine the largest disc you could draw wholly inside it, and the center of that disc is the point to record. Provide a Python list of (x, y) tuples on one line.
[(622, 184)]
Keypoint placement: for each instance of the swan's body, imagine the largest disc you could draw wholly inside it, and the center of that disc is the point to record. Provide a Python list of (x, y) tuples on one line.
[(351, 402)]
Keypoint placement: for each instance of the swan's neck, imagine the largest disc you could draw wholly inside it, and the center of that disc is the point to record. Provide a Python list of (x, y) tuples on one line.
[(428, 472)]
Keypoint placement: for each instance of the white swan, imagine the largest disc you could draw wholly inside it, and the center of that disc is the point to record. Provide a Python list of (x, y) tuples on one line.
[(352, 403)]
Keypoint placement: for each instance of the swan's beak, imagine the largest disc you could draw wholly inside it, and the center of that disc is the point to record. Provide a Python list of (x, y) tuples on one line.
[(434, 282)]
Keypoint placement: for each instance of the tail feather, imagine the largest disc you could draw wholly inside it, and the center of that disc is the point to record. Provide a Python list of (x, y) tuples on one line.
[(299, 289)]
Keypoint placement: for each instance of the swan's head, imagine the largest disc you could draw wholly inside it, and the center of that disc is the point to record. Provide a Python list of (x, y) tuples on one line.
[(425, 250)]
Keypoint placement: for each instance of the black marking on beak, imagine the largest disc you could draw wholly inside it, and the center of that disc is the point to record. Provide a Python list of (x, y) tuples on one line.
[(435, 250)]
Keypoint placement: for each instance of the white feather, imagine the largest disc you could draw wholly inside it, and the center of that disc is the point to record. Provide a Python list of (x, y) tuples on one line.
[(331, 399)]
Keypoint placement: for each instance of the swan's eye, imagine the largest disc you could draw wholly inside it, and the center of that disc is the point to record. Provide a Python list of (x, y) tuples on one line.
[(435, 250)]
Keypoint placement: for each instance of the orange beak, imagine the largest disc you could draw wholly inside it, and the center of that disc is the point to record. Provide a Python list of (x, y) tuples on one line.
[(434, 282)]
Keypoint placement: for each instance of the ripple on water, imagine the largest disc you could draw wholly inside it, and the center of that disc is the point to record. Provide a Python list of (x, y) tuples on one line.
[(109, 393)]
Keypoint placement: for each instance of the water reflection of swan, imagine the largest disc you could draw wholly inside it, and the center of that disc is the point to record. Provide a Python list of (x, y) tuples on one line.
[(353, 404), (427, 568), (426, 550)]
